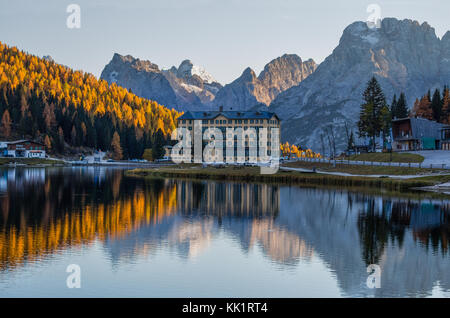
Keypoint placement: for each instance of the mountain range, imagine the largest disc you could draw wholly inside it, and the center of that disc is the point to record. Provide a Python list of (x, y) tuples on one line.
[(404, 56), (191, 87), (278, 75)]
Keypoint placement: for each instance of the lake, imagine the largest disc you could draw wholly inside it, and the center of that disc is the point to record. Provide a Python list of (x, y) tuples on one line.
[(134, 237)]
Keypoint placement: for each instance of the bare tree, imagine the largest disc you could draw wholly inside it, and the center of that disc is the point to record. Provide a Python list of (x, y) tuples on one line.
[(331, 140)]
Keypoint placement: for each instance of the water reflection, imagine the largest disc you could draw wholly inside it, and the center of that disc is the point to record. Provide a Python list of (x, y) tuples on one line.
[(43, 212)]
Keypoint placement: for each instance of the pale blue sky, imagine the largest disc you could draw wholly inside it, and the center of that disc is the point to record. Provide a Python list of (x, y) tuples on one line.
[(224, 36)]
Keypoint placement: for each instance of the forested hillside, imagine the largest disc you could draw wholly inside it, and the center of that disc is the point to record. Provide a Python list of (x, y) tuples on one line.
[(62, 108)]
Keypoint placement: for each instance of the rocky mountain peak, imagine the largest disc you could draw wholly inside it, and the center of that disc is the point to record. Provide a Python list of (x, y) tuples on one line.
[(445, 42), (278, 75), (187, 70), (142, 77), (248, 75), (404, 55), (188, 87), (140, 65)]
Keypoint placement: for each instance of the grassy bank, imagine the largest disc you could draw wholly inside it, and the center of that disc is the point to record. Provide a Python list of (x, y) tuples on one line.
[(29, 161), (386, 157), (365, 170), (252, 174)]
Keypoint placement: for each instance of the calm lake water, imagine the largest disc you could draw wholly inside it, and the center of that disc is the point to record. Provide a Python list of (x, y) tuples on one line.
[(174, 238)]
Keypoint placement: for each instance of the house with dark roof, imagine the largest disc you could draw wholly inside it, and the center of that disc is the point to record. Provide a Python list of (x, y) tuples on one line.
[(416, 134), (223, 120), (445, 138)]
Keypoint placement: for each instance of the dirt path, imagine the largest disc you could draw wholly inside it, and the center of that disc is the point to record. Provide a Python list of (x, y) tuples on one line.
[(344, 174)]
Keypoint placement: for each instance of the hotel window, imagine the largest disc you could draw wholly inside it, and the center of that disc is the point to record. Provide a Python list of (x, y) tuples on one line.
[(211, 121), (245, 121), (251, 121), (230, 121)]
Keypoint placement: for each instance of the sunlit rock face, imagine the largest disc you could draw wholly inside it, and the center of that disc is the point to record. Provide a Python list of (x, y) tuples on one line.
[(402, 54), (281, 245)]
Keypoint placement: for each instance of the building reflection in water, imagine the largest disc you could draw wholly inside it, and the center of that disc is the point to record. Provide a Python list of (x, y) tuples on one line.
[(229, 199), (47, 211)]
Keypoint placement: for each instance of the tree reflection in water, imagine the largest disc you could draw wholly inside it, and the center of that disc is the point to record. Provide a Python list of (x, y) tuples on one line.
[(388, 221), (44, 212)]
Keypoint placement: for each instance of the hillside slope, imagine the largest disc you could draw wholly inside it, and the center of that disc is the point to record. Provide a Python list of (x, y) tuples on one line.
[(42, 100)]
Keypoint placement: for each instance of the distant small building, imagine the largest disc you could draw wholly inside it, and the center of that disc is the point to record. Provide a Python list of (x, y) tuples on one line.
[(361, 149), (416, 134), (445, 138), (360, 145), (97, 157), (25, 149)]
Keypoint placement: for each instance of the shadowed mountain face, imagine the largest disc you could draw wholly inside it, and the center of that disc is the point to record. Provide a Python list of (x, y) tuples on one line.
[(142, 77), (187, 87), (278, 75), (402, 55), (190, 87)]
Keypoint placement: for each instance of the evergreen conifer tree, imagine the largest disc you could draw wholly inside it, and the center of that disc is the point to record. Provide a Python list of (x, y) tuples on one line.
[(436, 105), (158, 145), (371, 117)]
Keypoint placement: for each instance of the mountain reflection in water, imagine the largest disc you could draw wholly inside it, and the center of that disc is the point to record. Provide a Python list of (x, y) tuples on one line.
[(44, 212)]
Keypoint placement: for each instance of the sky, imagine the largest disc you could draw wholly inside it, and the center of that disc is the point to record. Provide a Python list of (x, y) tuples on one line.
[(223, 36)]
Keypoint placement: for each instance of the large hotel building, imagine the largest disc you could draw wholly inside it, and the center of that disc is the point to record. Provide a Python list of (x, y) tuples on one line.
[(234, 119)]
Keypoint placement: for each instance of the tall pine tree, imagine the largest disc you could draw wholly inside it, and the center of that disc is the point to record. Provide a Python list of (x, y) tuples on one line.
[(371, 115), (158, 145), (400, 108), (394, 106), (436, 105)]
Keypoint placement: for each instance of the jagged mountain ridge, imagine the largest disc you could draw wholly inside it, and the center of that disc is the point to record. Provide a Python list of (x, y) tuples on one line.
[(278, 75), (144, 78), (187, 87), (190, 87), (403, 55)]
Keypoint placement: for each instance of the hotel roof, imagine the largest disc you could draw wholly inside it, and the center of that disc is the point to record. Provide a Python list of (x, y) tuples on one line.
[(229, 115)]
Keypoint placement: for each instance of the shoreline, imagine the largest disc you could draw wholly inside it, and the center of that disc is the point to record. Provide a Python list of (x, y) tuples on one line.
[(251, 174), (53, 162)]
